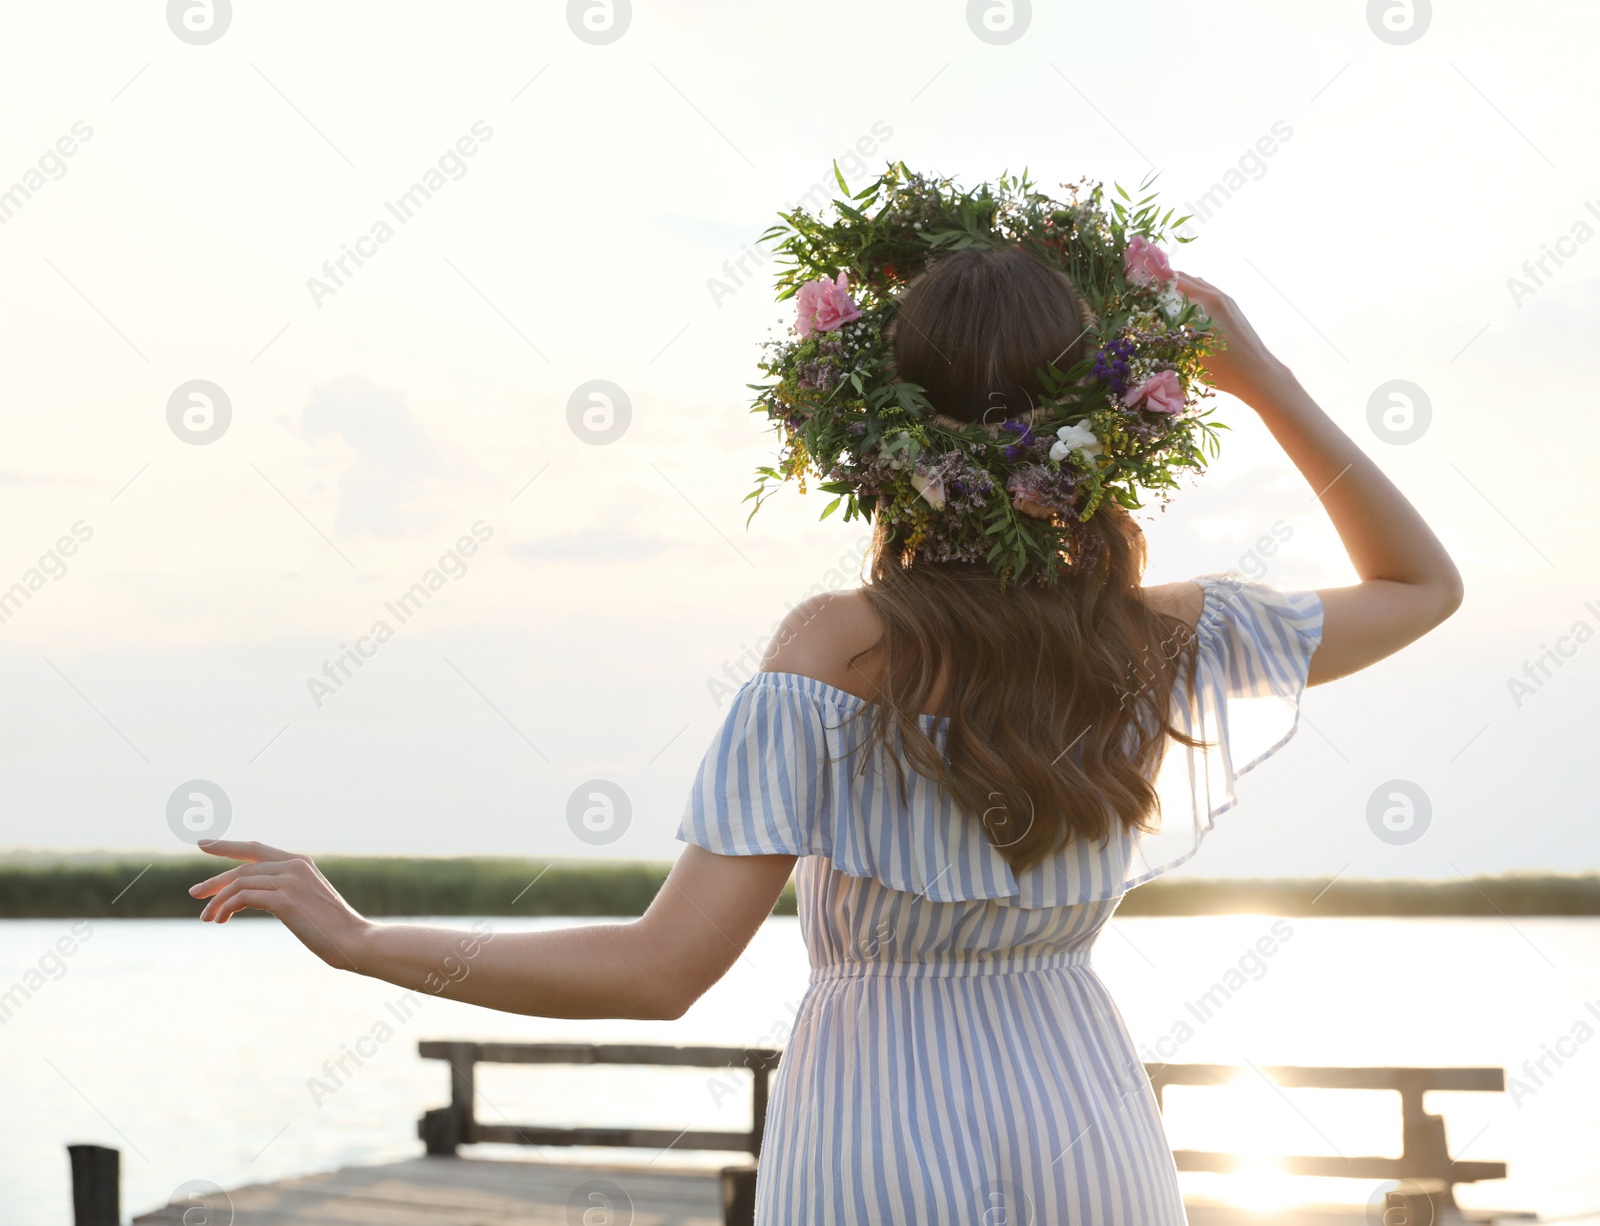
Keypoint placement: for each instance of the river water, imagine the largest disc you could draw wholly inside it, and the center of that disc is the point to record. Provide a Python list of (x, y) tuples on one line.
[(211, 1053)]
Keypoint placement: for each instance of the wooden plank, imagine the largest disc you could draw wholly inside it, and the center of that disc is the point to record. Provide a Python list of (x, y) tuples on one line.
[(1328, 1165), (604, 1053), (1334, 1215), (471, 1192), (1335, 1078), (628, 1138), (480, 1192)]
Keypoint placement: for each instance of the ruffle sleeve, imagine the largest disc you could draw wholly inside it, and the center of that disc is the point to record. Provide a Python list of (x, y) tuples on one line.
[(1254, 645), (763, 784), (784, 774)]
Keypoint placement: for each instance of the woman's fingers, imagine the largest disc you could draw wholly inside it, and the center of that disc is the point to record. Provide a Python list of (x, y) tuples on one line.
[(232, 889), (211, 885), (262, 884), (1198, 287), (270, 901), (1202, 292), (259, 859), (1241, 365), (235, 849), (208, 887), (287, 886)]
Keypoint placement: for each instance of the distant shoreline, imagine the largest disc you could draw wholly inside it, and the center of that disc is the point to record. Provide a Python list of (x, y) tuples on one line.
[(38, 886)]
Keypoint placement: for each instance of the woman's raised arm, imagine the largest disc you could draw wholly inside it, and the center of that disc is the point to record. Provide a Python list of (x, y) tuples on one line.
[(652, 968), (1408, 582)]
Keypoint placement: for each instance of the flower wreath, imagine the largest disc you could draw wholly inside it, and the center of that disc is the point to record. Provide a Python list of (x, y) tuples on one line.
[(1126, 418)]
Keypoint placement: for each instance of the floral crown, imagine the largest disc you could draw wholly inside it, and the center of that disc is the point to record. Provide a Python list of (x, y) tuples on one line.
[(1015, 490)]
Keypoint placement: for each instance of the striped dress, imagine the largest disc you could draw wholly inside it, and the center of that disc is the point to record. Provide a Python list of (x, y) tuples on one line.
[(955, 1058)]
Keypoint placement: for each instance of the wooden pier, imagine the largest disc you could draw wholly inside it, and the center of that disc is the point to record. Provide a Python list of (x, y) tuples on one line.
[(435, 1191), (444, 1189)]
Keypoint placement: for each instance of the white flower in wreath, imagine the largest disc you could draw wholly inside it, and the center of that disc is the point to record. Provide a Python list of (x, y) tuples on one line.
[(1172, 300), (1076, 437), (930, 489)]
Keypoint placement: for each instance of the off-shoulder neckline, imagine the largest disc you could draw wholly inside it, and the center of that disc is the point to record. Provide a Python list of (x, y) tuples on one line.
[(808, 682), (1207, 586)]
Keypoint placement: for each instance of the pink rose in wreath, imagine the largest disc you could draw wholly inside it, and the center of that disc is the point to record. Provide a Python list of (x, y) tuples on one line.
[(1021, 491), (1161, 393), (1145, 263), (824, 306)]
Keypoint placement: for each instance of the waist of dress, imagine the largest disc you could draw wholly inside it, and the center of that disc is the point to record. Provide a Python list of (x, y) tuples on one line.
[(954, 968)]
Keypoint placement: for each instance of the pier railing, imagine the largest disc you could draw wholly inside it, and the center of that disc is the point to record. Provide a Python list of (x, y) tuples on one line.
[(1424, 1166), (444, 1128), (1424, 1159)]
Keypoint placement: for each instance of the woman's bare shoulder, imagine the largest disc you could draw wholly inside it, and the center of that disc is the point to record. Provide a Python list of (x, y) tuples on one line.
[(819, 636), (1183, 600)]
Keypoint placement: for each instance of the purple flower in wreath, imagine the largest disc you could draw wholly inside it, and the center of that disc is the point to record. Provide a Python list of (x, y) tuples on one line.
[(1012, 450), (1111, 364)]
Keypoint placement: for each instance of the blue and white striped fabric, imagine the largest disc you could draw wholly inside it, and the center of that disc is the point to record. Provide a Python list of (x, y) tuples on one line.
[(955, 1058)]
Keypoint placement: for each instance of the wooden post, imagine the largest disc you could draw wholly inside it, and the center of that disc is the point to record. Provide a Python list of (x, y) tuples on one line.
[(444, 1128), (463, 1092), (758, 1109), (1423, 1139), (738, 1195), (1417, 1202), (96, 1185), (438, 1131)]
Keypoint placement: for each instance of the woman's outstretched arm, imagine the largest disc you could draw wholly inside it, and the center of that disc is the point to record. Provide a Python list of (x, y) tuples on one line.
[(1408, 582), (651, 968)]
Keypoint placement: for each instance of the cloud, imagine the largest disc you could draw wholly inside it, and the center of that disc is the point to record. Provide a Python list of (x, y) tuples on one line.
[(395, 460), (589, 545)]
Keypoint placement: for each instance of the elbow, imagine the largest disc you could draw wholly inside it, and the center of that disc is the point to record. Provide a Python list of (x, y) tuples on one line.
[(667, 989), (668, 971), (670, 1013), (667, 1002), (1451, 593), (1432, 597)]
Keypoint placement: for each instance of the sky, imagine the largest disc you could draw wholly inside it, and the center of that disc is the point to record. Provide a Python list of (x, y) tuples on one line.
[(222, 458)]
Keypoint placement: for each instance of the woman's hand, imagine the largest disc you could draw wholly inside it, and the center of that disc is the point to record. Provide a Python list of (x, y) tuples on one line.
[(1246, 368), (289, 887), (1408, 582), (653, 968)]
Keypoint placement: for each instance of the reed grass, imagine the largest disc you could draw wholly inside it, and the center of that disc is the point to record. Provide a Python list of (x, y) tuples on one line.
[(109, 886)]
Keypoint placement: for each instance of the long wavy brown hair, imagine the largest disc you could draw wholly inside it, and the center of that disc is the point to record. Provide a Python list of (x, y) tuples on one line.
[(1058, 698)]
